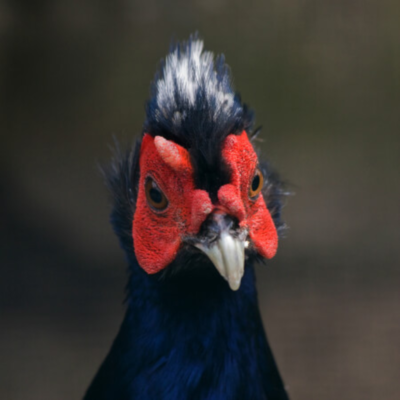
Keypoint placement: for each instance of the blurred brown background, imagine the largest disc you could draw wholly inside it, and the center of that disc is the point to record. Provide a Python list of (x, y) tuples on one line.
[(324, 79)]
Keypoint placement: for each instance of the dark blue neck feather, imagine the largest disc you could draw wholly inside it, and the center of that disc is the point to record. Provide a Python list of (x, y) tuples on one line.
[(189, 337)]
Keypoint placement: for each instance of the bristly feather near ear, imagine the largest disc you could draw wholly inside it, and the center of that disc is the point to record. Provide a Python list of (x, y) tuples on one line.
[(122, 177), (274, 193), (254, 135)]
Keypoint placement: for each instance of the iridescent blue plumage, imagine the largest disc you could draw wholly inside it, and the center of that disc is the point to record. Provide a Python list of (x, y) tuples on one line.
[(189, 339)]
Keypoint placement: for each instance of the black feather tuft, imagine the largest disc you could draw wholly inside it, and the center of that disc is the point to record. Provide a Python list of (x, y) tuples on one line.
[(274, 193), (122, 178)]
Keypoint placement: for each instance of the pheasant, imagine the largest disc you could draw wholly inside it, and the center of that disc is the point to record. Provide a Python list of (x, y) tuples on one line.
[(194, 209)]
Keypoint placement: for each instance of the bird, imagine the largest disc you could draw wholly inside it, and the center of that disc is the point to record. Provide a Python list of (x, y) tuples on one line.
[(194, 208)]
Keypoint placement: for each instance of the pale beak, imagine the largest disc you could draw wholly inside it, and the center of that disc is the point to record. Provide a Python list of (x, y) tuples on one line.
[(227, 254)]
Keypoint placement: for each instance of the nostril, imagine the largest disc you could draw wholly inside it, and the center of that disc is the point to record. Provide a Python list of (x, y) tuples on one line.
[(216, 223), (209, 229)]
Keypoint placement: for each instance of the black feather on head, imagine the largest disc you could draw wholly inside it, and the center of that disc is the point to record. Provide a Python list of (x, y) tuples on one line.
[(193, 103)]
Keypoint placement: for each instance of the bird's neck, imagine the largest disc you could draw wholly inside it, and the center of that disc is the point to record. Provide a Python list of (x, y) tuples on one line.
[(195, 320), (191, 337), (187, 300)]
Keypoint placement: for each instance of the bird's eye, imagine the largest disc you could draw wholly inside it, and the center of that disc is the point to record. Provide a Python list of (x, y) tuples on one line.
[(155, 197), (256, 184)]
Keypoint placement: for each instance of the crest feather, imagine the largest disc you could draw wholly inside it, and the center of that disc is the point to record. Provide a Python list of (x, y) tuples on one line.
[(193, 104)]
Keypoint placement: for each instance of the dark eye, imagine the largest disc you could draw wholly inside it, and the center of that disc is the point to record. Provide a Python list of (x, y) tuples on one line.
[(256, 184), (155, 197)]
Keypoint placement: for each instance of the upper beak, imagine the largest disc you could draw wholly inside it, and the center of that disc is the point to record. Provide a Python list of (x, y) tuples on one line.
[(225, 249)]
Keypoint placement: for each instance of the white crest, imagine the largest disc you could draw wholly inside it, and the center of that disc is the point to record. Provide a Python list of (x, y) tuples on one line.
[(185, 71)]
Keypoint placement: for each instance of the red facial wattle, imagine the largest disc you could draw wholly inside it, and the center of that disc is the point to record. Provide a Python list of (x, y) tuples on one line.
[(240, 157), (158, 235)]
